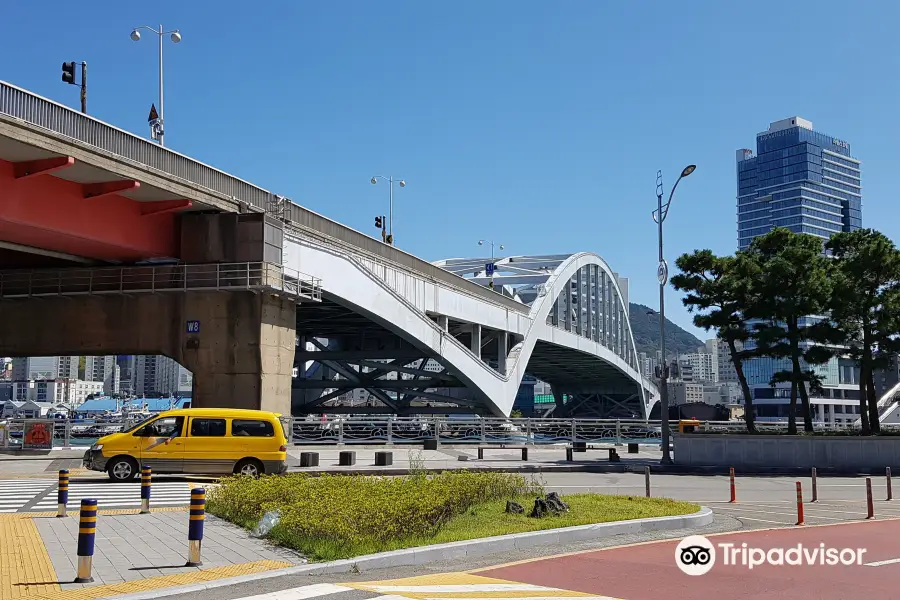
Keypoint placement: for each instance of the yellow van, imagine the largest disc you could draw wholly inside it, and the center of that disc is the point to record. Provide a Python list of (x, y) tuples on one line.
[(208, 441)]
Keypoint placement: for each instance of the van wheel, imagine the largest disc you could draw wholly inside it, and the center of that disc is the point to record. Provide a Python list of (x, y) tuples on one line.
[(250, 467), (122, 468)]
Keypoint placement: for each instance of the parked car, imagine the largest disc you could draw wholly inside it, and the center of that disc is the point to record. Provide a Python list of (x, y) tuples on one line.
[(207, 441)]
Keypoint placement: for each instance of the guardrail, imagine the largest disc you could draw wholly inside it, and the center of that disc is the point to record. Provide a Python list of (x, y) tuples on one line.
[(159, 278), (378, 430)]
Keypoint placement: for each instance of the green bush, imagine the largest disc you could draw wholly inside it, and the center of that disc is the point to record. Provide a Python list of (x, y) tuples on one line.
[(348, 511)]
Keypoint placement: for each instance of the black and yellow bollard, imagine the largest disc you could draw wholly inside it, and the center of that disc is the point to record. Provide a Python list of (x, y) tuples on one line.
[(87, 530), (146, 480), (62, 493), (195, 526)]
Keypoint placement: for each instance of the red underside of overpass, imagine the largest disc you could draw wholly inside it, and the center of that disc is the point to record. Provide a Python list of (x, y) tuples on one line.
[(90, 220)]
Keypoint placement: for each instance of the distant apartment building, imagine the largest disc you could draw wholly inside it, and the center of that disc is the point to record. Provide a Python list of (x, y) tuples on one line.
[(161, 376), (104, 370), (45, 367), (67, 391), (704, 365)]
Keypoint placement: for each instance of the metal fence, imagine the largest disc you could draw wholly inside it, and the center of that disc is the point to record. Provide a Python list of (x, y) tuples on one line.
[(159, 278), (381, 430)]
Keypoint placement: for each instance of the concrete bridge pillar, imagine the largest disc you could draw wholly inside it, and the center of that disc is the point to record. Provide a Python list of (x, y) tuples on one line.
[(238, 345)]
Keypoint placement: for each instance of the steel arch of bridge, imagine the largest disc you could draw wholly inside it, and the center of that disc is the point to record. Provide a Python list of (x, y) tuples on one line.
[(377, 310), (577, 293)]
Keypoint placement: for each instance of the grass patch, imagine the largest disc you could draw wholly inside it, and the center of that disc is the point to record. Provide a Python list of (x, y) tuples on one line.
[(336, 516)]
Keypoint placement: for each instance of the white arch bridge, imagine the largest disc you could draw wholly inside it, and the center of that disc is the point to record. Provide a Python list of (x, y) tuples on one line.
[(412, 341)]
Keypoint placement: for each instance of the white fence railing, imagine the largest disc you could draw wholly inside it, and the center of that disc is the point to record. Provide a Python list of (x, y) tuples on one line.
[(378, 430), (159, 278)]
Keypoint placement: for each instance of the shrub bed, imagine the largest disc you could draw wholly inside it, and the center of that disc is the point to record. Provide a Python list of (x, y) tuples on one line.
[(339, 516)]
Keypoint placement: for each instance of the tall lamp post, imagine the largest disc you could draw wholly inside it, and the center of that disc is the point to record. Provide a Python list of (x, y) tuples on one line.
[(390, 180), (662, 274), (175, 36), (482, 243)]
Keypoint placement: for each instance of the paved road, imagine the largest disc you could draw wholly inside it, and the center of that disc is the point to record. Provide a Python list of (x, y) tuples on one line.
[(649, 571), (39, 495)]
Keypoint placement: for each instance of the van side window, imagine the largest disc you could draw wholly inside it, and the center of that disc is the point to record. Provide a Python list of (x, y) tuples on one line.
[(207, 427), (252, 428), (164, 427)]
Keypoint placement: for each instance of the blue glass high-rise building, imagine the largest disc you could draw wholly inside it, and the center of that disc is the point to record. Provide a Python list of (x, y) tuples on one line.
[(808, 182), (799, 178)]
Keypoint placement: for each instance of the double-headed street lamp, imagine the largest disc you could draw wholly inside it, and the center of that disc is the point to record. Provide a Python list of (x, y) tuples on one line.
[(390, 235), (482, 243), (662, 274), (156, 124)]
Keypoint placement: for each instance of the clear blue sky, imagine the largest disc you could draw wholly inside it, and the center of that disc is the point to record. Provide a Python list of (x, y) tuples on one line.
[(540, 125)]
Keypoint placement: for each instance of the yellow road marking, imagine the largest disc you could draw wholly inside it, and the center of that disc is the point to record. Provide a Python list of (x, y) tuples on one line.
[(456, 579)]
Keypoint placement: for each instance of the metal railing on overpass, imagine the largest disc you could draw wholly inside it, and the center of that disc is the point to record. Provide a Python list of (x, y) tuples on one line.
[(63, 121), (336, 430), (251, 276)]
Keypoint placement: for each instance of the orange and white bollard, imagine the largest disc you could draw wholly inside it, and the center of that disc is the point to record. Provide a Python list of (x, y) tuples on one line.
[(799, 504), (733, 489), (869, 503), (815, 488), (887, 476)]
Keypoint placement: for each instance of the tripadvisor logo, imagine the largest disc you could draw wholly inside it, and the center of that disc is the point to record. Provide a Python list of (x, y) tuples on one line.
[(696, 555)]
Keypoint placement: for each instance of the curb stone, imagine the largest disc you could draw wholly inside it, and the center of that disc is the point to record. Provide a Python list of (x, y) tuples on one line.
[(468, 548)]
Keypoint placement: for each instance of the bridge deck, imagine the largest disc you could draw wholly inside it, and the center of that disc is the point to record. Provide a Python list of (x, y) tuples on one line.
[(31, 119)]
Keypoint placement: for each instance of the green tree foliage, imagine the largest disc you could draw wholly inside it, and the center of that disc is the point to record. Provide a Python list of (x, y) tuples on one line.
[(792, 283), (865, 308), (716, 289)]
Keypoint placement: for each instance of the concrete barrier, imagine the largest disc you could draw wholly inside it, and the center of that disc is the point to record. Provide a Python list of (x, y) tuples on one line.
[(742, 451)]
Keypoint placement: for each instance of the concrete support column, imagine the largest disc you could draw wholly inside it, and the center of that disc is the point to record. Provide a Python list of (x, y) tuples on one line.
[(444, 322), (238, 345), (476, 340), (245, 357), (502, 351)]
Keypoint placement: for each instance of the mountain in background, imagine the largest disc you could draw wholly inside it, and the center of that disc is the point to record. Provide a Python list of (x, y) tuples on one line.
[(645, 328)]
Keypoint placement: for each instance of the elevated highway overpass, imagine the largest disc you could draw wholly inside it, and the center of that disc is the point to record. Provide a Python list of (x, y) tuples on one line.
[(88, 203)]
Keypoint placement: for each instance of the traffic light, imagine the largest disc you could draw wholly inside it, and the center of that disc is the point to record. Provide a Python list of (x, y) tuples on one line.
[(378, 222), (68, 72)]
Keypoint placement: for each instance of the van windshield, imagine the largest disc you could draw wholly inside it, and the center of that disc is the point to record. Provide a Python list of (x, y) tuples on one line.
[(139, 424)]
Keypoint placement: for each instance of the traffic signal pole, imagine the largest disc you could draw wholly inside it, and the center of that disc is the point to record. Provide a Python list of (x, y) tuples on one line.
[(84, 87), (68, 76)]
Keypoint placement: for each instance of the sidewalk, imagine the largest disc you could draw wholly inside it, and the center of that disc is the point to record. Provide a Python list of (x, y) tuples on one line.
[(404, 457), (133, 553)]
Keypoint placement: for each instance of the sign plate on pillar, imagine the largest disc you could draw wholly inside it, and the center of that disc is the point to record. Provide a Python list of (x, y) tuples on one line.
[(662, 272), (192, 326), (489, 268)]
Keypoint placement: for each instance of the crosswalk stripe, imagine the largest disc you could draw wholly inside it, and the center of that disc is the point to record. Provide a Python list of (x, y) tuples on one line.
[(301, 593)]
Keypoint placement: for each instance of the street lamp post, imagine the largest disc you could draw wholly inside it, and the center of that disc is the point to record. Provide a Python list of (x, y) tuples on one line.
[(175, 36), (662, 274), (482, 243), (390, 180)]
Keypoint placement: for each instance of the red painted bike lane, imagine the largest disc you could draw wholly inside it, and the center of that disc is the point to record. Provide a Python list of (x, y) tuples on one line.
[(649, 571)]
